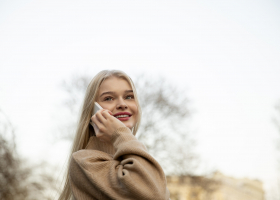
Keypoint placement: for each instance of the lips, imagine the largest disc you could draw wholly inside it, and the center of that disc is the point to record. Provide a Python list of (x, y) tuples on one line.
[(122, 116)]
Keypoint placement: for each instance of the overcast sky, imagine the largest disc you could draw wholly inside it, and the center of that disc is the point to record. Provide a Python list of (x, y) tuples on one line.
[(224, 54)]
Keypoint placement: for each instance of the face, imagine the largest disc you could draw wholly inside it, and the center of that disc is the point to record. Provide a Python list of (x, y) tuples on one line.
[(115, 94)]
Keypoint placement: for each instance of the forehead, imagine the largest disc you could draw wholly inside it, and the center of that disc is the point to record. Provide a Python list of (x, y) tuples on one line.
[(114, 84)]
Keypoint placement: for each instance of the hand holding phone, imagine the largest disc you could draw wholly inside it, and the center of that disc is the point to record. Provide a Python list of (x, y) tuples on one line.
[(103, 119)]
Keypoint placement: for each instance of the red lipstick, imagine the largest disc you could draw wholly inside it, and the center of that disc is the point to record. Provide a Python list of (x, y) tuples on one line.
[(122, 116)]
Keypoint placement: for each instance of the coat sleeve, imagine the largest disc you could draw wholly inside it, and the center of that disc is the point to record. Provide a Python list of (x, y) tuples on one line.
[(132, 173)]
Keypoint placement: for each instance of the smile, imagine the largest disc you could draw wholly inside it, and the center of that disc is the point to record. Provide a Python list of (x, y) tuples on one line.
[(123, 116)]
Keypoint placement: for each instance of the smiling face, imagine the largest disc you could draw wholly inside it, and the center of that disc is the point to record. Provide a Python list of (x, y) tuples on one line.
[(115, 94)]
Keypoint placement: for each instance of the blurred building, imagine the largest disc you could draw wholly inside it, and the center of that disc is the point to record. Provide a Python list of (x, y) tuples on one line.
[(218, 187)]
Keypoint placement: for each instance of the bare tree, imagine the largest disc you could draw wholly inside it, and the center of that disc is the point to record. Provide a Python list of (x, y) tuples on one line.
[(75, 89), (18, 179), (165, 125), (10, 172)]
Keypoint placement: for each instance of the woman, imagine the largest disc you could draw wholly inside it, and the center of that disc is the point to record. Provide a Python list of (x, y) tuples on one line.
[(107, 161)]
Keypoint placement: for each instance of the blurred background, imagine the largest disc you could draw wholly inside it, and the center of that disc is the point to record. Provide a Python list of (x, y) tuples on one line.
[(209, 71)]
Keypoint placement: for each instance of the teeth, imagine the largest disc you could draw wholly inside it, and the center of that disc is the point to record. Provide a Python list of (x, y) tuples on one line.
[(119, 116)]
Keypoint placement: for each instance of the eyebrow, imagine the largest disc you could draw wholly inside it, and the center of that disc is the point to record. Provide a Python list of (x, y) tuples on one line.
[(109, 92)]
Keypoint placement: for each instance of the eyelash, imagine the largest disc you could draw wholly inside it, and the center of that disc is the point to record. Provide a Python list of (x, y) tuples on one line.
[(107, 98), (132, 96)]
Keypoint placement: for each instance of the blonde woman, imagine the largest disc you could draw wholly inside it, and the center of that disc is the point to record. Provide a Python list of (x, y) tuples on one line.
[(107, 161)]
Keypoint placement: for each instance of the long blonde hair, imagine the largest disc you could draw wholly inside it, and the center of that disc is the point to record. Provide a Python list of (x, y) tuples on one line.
[(84, 130)]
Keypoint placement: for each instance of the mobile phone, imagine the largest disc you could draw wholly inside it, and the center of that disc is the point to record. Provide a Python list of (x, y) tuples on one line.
[(96, 108)]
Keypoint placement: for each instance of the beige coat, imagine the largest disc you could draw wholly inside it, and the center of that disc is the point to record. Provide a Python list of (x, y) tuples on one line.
[(122, 170)]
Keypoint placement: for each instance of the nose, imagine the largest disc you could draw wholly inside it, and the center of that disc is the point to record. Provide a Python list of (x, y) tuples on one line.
[(121, 104)]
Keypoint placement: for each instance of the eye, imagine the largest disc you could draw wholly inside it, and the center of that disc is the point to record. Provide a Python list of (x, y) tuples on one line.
[(108, 98), (130, 97)]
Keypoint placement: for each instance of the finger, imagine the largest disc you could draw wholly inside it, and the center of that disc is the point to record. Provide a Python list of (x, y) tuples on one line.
[(97, 114), (106, 114), (100, 117), (91, 119), (96, 121)]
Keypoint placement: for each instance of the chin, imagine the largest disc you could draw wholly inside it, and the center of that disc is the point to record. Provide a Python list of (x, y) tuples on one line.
[(129, 126)]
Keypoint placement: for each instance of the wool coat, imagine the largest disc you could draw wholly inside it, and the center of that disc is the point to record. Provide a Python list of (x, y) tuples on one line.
[(121, 170)]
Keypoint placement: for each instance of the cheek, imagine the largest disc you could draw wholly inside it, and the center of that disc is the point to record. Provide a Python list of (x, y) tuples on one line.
[(107, 106), (134, 108)]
